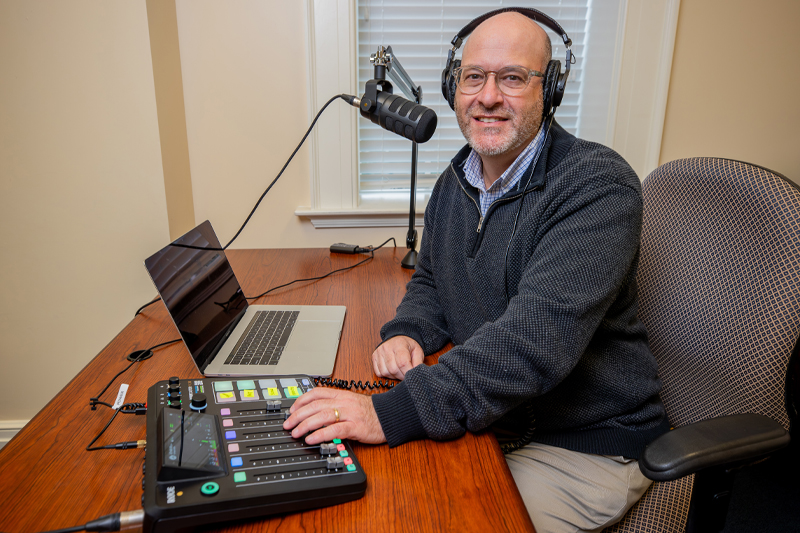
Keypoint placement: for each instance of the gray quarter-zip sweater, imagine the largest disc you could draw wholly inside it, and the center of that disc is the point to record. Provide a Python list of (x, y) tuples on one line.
[(565, 342)]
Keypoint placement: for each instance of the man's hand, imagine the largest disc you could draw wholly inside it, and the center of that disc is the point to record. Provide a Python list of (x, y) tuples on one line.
[(395, 357), (317, 409)]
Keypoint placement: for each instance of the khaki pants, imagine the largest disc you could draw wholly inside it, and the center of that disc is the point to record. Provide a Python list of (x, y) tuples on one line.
[(566, 491)]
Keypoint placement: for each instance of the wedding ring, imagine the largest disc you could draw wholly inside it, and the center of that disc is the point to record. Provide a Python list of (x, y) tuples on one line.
[(336, 412)]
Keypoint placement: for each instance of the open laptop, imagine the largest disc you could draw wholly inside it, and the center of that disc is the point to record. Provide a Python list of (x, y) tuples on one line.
[(225, 335)]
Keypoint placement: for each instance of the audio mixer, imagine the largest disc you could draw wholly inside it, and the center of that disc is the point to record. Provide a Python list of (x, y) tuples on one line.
[(217, 451)]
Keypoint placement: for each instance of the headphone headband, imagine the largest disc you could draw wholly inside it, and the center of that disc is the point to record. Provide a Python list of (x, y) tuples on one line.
[(533, 14)]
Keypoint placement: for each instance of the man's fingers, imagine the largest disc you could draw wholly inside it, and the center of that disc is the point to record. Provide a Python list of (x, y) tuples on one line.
[(325, 416), (417, 356), (342, 430)]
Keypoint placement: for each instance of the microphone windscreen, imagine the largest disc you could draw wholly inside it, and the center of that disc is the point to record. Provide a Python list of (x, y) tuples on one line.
[(405, 118), (426, 126)]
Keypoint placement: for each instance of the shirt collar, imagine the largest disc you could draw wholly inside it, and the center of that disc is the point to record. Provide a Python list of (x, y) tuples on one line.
[(473, 167)]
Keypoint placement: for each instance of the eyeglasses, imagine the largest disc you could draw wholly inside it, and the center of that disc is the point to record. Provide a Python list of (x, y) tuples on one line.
[(511, 81)]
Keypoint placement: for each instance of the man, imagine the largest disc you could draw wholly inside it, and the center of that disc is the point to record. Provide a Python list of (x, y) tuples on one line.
[(538, 298)]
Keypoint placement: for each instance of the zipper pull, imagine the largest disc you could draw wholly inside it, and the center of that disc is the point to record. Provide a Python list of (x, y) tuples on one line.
[(480, 223)]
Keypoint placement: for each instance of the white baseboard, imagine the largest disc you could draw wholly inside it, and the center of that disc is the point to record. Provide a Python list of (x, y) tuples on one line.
[(9, 428)]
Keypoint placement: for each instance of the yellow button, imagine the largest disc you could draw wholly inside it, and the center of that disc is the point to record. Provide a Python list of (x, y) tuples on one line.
[(226, 395), (248, 394)]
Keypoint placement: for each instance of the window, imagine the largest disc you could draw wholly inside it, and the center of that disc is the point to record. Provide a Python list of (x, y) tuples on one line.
[(419, 34), (360, 173)]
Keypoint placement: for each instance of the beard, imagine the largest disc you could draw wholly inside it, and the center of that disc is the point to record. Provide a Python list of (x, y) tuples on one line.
[(525, 124)]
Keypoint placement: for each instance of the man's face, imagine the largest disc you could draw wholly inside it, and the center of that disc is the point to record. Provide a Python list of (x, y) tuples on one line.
[(492, 122)]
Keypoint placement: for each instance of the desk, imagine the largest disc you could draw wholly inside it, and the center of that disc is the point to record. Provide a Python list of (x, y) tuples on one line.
[(48, 481)]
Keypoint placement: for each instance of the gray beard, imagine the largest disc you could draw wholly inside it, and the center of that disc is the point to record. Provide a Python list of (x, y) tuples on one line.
[(529, 126)]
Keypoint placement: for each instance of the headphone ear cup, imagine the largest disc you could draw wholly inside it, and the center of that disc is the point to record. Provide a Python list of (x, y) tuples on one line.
[(450, 85), (551, 96)]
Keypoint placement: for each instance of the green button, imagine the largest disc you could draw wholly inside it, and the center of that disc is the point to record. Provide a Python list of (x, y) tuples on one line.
[(343, 453), (223, 386), (351, 468), (246, 384), (238, 477), (337, 441), (210, 488)]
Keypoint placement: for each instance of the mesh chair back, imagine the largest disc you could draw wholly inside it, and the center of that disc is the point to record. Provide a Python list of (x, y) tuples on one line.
[(719, 283)]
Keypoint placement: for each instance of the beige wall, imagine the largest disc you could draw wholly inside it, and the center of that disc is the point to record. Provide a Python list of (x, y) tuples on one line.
[(245, 73), (81, 188), (735, 84)]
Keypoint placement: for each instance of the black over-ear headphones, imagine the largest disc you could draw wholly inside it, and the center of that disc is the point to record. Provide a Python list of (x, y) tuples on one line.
[(554, 81)]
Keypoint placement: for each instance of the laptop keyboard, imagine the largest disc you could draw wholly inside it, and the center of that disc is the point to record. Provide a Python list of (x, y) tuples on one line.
[(264, 339)]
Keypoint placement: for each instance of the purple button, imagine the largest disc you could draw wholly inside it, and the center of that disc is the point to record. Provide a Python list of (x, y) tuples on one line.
[(225, 412), (230, 435)]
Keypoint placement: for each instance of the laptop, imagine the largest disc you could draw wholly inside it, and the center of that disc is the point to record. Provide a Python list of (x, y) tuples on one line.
[(225, 335)]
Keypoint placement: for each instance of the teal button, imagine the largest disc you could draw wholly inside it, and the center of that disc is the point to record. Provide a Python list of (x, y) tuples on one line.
[(210, 488), (337, 441), (351, 468), (238, 477), (223, 386), (343, 453), (293, 392), (246, 384)]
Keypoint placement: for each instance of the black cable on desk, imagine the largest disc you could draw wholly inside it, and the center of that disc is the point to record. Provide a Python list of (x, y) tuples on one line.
[(368, 249), (111, 522), (142, 355)]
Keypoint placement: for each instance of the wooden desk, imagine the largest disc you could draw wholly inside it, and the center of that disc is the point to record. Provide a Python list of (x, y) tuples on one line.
[(48, 481)]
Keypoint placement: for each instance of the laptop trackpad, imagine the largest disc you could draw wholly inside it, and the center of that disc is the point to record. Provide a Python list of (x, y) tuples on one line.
[(314, 337)]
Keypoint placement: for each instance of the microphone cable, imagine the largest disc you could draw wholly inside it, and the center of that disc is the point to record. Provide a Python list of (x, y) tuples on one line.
[(347, 98), (111, 522)]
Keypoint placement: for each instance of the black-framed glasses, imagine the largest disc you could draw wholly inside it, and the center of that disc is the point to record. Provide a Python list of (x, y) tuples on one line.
[(511, 81)]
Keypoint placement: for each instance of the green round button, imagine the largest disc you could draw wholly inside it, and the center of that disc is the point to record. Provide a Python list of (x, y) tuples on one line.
[(210, 488)]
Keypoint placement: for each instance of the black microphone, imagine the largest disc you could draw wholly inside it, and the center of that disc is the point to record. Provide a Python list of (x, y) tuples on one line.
[(398, 115)]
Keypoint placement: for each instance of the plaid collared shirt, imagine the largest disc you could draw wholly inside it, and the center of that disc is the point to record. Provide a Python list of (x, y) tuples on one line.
[(473, 172)]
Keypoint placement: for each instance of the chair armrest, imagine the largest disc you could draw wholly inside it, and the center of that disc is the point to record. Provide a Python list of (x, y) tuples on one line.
[(712, 442)]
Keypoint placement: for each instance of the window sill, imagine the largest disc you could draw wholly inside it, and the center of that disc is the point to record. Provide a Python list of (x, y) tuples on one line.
[(360, 218)]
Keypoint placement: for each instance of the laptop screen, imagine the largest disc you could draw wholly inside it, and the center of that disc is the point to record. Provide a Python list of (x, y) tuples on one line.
[(199, 289)]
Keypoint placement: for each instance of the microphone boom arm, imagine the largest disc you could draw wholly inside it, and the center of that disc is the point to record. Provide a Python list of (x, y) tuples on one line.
[(384, 61)]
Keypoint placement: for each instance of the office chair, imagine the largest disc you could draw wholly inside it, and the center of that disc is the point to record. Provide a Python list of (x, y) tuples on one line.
[(719, 286)]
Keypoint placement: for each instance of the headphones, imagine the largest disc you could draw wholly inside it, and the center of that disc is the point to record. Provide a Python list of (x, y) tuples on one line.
[(554, 81)]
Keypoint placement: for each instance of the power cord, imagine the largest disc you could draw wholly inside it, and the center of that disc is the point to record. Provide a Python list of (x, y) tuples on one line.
[(111, 522), (369, 250), (335, 248)]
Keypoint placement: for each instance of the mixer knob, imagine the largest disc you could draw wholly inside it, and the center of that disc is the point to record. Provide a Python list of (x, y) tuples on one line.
[(175, 380), (199, 402)]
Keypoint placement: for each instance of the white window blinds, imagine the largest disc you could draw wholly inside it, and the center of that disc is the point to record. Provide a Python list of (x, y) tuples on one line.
[(419, 33)]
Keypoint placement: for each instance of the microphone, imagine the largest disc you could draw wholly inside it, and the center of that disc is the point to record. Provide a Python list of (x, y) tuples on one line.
[(394, 113)]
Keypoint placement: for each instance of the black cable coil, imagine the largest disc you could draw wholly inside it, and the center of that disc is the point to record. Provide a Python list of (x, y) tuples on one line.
[(344, 384)]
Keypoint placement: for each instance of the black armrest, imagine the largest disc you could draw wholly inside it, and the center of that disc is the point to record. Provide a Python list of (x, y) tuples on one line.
[(712, 442)]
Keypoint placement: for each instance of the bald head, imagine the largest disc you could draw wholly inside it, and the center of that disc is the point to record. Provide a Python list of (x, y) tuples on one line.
[(506, 31)]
